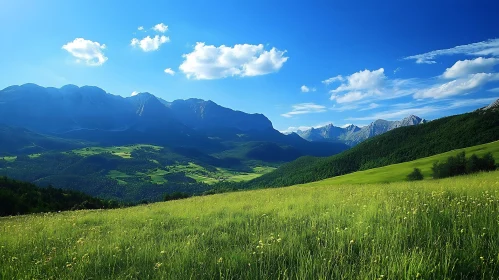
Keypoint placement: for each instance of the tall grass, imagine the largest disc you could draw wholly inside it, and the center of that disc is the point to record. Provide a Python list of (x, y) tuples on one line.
[(445, 229)]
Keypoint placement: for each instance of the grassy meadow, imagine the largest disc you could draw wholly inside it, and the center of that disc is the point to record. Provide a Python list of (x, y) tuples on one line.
[(157, 175), (398, 172), (193, 171), (432, 229), (121, 151)]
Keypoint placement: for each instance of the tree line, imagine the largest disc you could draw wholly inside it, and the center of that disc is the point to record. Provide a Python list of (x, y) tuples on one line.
[(18, 198)]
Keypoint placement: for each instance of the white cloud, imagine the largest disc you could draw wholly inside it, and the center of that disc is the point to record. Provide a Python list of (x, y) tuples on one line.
[(140, 28), (148, 44), (86, 50), (207, 62), (169, 71), (370, 107), (160, 27), (465, 67), (457, 87), (489, 47), (134, 93), (349, 97), (363, 80), (333, 79), (304, 88), (358, 107), (494, 89), (304, 108), (372, 86), (397, 70), (358, 86)]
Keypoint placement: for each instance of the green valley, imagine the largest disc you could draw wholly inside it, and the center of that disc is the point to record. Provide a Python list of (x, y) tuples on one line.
[(131, 172), (121, 151)]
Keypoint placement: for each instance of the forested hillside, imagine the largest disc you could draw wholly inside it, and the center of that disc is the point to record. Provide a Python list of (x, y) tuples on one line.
[(399, 145), (18, 197)]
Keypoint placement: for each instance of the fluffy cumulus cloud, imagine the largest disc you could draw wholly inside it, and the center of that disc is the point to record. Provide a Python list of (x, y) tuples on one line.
[(358, 86), (169, 71), (465, 67), (207, 62), (86, 51), (134, 93), (148, 44), (363, 80), (160, 27), (484, 48), (304, 108), (140, 28), (459, 86), (304, 88)]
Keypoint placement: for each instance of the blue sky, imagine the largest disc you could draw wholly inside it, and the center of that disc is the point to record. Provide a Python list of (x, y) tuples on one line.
[(301, 63)]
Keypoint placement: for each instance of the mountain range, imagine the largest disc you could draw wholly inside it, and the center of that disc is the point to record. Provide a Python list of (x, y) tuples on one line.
[(352, 134), (90, 114)]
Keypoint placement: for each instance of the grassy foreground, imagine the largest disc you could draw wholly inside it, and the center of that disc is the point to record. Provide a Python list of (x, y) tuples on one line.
[(445, 229)]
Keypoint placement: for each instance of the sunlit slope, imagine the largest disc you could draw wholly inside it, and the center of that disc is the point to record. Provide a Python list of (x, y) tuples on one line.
[(434, 229), (396, 146), (399, 172)]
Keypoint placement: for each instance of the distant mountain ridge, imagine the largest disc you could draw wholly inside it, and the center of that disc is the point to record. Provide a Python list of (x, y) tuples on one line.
[(352, 134), (204, 115), (53, 110), (90, 113)]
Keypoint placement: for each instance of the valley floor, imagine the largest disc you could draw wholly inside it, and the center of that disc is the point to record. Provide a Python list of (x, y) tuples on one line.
[(433, 229)]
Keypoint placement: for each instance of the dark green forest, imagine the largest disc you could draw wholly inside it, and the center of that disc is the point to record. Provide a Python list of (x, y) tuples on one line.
[(460, 165), (396, 146), (18, 198)]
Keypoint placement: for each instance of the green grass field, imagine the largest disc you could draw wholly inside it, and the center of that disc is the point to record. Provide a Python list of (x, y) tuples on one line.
[(10, 158), (156, 175), (194, 171), (121, 151), (399, 172), (432, 229)]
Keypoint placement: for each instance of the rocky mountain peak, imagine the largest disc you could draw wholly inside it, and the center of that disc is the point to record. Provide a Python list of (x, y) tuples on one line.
[(494, 105), (352, 134)]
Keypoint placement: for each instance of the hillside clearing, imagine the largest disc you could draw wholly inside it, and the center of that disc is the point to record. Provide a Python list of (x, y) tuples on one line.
[(398, 172)]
